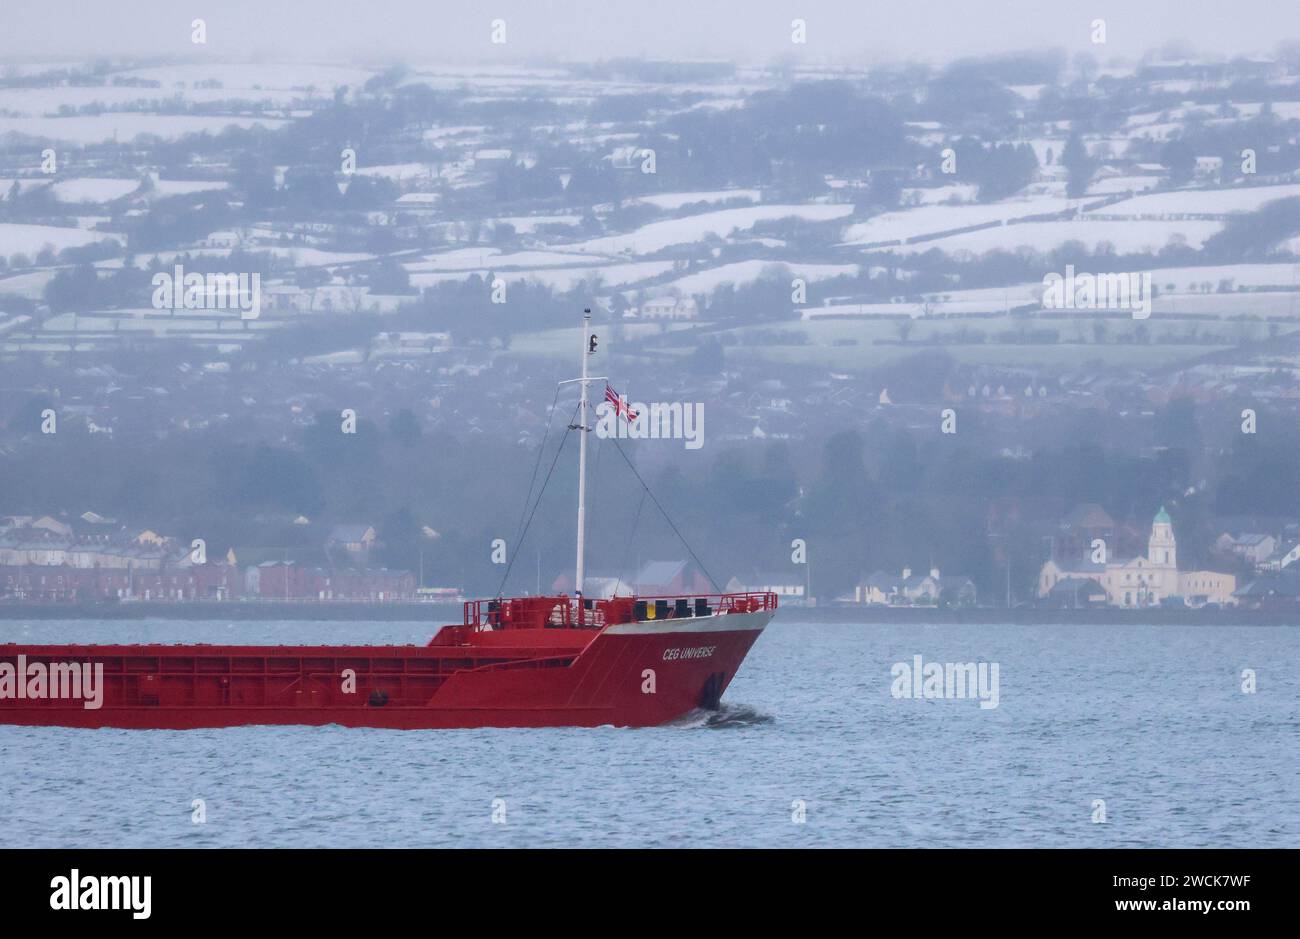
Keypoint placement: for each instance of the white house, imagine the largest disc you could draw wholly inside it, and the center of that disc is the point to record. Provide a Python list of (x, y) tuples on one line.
[(669, 308)]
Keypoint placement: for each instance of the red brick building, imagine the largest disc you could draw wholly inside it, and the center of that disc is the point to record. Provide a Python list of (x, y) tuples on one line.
[(63, 584)]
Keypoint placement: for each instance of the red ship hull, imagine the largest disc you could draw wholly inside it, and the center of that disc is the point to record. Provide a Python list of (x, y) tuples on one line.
[(633, 673)]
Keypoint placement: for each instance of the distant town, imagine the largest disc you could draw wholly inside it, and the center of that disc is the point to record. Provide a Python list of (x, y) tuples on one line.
[(92, 559), (1021, 331)]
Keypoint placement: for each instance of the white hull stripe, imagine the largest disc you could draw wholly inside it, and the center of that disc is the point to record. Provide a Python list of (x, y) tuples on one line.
[(724, 623)]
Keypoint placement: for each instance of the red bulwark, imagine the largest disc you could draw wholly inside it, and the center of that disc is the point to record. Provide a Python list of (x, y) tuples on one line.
[(522, 662)]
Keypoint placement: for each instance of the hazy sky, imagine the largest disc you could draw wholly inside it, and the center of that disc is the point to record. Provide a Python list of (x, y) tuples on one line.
[(839, 31)]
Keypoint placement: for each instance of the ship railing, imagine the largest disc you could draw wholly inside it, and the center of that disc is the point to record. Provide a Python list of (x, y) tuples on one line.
[(565, 612), (674, 606)]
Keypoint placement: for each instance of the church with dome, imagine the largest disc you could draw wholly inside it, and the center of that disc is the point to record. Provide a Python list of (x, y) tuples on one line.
[(1142, 581)]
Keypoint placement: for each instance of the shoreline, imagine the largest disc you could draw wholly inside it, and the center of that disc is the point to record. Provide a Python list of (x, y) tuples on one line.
[(439, 614)]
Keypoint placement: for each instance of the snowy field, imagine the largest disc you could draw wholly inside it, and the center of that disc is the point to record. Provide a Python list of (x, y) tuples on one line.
[(298, 255), (475, 259), (1113, 185), (29, 239), (680, 231), (1186, 279), (528, 224), (90, 189), (671, 201), (929, 219), (938, 195), (908, 309), (281, 83), (185, 187), (87, 129), (562, 278), (1124, 236), (1203, 201), (1228, 305), (1282, 110), (1183, 291), (30, 285), (399, 172), (235, 88), (744, 272)]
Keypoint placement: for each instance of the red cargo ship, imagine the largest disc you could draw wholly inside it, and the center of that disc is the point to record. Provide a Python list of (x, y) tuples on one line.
[(520, 662)]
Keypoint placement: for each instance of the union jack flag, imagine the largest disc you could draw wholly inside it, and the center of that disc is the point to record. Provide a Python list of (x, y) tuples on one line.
[(620, 407)]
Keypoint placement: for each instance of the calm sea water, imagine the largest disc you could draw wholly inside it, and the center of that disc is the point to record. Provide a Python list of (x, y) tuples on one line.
[(1152, 720)]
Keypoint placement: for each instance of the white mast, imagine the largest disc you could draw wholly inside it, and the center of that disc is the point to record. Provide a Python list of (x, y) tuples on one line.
[(588, 350), (583, 430)]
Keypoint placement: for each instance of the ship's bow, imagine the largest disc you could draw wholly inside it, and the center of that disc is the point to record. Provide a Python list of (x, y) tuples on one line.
[(652, 671)]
